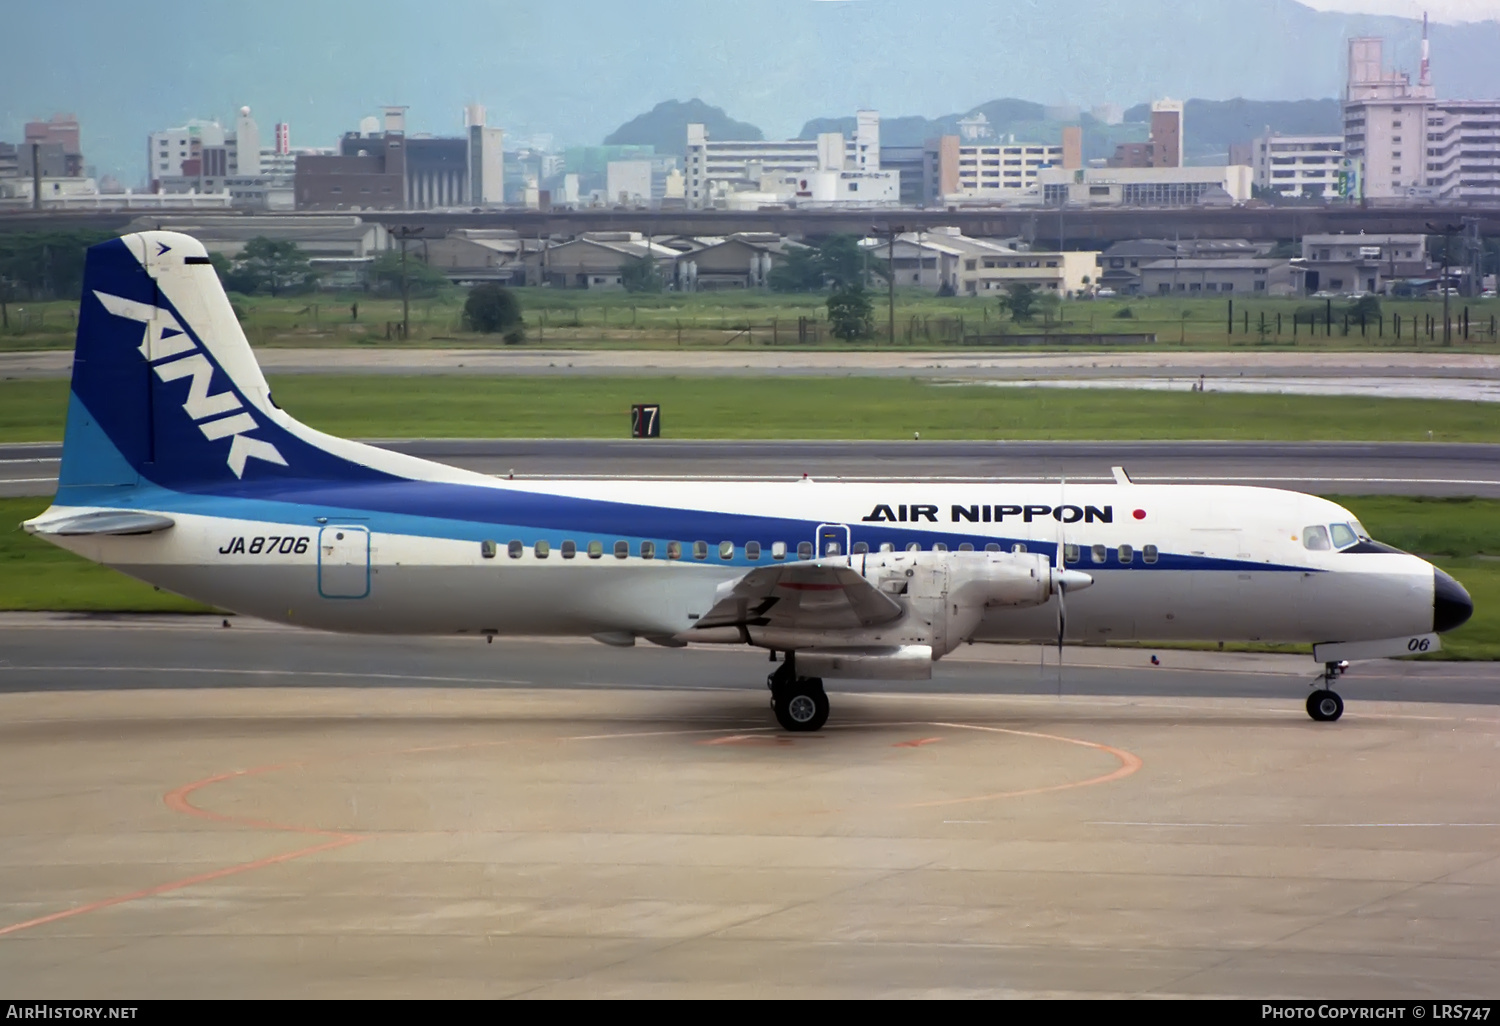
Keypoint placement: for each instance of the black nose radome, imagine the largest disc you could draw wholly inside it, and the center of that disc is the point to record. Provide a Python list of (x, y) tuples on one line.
[(1451, 605)]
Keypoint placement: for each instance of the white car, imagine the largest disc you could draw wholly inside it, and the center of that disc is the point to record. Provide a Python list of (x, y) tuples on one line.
[(1107, 293)]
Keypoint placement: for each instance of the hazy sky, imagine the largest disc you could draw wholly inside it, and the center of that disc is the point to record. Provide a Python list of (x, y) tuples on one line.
[(1439, 10)]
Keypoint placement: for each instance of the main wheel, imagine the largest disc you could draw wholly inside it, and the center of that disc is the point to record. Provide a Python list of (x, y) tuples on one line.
[(801, 705), (1325, 706)]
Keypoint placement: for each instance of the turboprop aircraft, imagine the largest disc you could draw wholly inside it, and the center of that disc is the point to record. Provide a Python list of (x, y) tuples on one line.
[(180, 469)]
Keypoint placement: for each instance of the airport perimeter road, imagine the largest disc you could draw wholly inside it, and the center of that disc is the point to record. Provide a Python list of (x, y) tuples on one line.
[(1396, 468), (194, 811), (874, 363)]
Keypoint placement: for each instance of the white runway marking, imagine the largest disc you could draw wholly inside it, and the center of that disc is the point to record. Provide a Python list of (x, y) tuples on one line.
[(1261, 826)]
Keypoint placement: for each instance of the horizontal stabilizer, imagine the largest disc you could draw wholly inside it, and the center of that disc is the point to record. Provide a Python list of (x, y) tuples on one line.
[(112, 522)]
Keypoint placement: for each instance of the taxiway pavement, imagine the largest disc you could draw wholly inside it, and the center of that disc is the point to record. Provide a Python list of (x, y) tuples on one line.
[(198, 811), (1323, 467)]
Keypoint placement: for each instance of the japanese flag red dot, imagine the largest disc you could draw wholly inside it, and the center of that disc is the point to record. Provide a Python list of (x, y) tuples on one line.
[(1139, 514)]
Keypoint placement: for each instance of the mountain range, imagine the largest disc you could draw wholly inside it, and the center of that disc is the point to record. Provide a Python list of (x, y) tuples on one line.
[(577, 70)]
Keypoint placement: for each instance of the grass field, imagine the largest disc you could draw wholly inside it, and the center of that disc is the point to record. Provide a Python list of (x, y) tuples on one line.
[(1460, 535), (438, 406), (747, 319)]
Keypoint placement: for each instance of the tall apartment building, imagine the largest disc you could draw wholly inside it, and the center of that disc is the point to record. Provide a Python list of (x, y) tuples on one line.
[(1409, 143), (60, 130), (1297, 166), (994, 171), (1165, 146), (716, 166)]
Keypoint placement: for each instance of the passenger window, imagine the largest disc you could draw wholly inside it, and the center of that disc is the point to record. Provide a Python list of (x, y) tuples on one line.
[(860, 548), (648, 550), (913, 546), (1315, 538), (804, 550), (1018, 547), (939, 546), (1343, 536), (674, 550), (1148, 554), (992, 547), (752, 551), (622, 550), (542, 549), (1127, 554), (726, 550), (1099, 553), (596, 549), (700, 550), (778, 550), (487, 549), (515, 549), (966, 547), (569, 550), (832, 548), (1070, 553), (887, 547)]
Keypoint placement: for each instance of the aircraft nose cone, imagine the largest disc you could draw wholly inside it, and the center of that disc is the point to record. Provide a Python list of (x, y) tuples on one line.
[(1451, 605)]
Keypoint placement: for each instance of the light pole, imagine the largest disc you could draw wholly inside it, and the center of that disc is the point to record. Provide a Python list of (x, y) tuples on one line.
[(1447, 233), (404, 233), (891, 231)]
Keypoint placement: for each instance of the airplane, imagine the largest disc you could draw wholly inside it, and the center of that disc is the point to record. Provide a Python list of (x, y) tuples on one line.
[(179, 468)]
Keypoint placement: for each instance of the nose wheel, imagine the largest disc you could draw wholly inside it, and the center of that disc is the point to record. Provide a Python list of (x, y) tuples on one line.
[(800, 703), (1324, 704)]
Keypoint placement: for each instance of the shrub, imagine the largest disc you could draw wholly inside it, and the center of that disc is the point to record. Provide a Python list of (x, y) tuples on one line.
[(494, 310)]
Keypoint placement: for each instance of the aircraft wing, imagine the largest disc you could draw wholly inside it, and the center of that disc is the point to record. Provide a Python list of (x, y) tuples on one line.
[(801, 596)]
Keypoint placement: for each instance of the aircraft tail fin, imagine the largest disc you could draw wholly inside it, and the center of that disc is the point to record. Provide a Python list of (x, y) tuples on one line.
[(166, 390)]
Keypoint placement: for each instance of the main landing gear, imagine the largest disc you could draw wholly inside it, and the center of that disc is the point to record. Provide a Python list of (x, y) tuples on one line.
[(1324, 704), (800, 703)]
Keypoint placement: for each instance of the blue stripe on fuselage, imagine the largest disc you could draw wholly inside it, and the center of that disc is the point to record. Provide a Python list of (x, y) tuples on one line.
[(464, 512)]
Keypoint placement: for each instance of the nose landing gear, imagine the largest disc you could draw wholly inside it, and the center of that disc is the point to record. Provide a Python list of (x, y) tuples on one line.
[(800, 703), (1324, 704)]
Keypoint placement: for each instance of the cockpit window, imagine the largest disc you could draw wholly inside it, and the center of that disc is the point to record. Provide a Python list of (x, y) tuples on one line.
[(1316, 538), (1343, 536), (1359, 529)]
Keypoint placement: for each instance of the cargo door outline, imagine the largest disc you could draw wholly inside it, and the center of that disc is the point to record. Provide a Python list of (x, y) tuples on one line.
[(344, 562)]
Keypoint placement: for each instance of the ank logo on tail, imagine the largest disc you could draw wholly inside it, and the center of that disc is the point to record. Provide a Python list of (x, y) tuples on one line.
[(174, 355)]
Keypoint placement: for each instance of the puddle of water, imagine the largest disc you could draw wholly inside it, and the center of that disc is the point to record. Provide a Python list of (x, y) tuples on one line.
[(1469, 389)]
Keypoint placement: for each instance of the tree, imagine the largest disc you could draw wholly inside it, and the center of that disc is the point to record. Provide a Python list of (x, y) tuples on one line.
[(1365, 309), (1020, 300), (274, 265), (845, 264), (800, 269), (221, 265), (493, 309), (850, 313), (641, 274), (422, 279)]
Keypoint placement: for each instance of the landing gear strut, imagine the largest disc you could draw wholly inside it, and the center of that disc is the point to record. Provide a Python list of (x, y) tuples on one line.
[(1324, 704), (800, 703)]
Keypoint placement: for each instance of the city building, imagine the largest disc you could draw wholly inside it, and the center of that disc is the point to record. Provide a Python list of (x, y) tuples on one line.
[(741, 261), (368, 173), (472, 255), (943, 258), (1120, 265), (994, 171), (1143, 187), (1408, 144), (1362, 263), (594, 260), (1298, 166), (380, 167), (717, 168), (628, 183), (1249, 276), (60, 131), (1165, 146)]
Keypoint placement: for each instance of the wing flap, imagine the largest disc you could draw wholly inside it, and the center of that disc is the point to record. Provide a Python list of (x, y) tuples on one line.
[(801, 596)]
